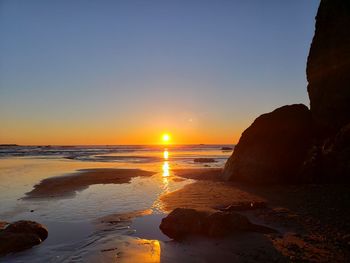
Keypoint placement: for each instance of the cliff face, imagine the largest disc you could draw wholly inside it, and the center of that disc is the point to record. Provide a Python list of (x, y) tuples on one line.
[(316, 147), (328, 67)]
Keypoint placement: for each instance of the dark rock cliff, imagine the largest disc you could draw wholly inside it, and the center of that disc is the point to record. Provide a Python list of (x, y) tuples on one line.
[(328, 67), (315, 147)]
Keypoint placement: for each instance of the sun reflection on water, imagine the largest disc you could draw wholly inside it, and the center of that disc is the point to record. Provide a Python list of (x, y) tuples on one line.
[(166, 154), (142, 250), (165, 168)]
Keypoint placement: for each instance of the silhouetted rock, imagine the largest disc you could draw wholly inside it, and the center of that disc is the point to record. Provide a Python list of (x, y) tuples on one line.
[(330, 163), (273, 148), (183, 222), (226, 148), (328, 67), (244, 206), (3, 224), (221, 224), (204, 160), (21, 235), (328, 74)]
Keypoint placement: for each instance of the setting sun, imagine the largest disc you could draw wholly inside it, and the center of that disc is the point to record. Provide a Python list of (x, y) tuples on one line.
[(166, 137)]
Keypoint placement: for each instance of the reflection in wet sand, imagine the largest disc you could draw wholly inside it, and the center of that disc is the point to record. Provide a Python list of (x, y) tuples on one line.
[(165, 168), (142, 250)]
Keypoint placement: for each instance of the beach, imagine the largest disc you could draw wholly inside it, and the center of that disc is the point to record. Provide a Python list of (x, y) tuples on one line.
[(69, 188), (102, 210)]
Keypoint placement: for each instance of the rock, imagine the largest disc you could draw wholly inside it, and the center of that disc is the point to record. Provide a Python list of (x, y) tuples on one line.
[(3, 224), (183, 222), (328, 67), (226, 148), (329, 162), (244, 206), (204, 160), (337, 158), (221, 224), (273, 148), (328, 74), (21, 235)]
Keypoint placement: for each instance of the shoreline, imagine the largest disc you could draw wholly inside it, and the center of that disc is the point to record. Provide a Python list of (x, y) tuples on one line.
[(68, 185)]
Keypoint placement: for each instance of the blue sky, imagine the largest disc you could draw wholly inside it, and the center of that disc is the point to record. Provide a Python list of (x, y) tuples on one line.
[(110, 72)]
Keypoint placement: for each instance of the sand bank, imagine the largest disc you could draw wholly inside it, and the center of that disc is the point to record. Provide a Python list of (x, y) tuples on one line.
[(68, 185)]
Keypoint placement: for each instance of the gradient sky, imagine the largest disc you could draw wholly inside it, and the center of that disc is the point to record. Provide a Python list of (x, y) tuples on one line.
[(124, 72)]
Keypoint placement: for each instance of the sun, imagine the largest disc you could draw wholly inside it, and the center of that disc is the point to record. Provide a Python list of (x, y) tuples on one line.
[(166, 137)]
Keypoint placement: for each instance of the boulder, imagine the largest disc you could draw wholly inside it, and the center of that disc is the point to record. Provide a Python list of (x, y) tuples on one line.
[(328, 67), (183, 222), (21, 235), (273, 148), (221, 224)]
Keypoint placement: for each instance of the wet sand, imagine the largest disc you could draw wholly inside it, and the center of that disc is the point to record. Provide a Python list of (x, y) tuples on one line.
[(68, 185), (313, 224), (206, 195), (212, 174)]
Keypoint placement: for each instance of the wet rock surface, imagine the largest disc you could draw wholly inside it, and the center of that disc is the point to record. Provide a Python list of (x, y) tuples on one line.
[(21, 235), (183, 222)]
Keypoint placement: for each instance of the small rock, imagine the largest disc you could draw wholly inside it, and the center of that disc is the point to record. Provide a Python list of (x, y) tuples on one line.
[(204, 160), (226, 148), (243, 206), (21, 235), (3, 224)]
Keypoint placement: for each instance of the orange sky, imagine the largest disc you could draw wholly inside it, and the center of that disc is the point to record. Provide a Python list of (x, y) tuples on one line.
[(32, 133), (124, 72)]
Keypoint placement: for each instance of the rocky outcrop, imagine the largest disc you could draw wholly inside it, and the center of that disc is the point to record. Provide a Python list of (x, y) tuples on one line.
[(328, 67), (268, 151), (21, 235), (330, 161), (273, 148), (328, 74), (183, 222)]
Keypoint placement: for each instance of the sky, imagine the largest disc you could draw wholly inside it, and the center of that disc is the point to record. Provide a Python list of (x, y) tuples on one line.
[(127, 71)]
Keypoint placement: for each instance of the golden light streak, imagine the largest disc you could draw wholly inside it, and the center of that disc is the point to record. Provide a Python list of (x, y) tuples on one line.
[(166, 155), (165, 168)]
